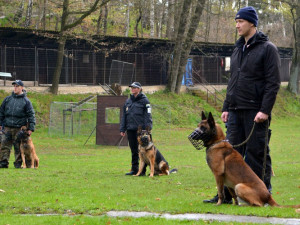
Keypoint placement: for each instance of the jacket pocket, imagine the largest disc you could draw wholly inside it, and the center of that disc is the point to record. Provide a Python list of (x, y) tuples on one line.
[(139, 109)]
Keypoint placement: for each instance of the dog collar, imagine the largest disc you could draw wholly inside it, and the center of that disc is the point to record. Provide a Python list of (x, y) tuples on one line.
[(149, 146), (208, 148)]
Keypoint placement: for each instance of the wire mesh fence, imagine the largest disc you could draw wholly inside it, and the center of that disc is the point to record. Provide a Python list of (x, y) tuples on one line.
[(91, 68), (69, 120)]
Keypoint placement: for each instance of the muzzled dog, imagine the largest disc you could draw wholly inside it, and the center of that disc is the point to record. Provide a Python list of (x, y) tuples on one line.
[(228, 166), (27, 149), (150, 155)]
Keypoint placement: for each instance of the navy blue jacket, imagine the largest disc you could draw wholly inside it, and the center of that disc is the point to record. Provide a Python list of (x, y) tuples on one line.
[(17, 111), (136, 112), (255, 75)]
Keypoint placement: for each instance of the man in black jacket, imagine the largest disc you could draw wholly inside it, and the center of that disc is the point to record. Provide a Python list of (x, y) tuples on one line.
[(136, 112), (251, 94), (16, 111)]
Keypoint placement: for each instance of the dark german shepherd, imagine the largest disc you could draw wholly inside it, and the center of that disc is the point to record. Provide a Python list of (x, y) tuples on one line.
[(150, 155), (27, 149), (229, 168)]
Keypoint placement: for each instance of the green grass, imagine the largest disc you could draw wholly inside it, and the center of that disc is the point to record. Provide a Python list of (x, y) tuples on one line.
[(89, 180)]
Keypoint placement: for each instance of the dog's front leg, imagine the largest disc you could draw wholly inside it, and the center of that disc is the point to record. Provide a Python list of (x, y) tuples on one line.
[(141, 166), (23, 157), (32, 160), (152, 162), (232, 192), (220, 186)]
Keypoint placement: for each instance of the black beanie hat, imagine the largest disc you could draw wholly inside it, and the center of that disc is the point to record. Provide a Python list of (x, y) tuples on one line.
[(248, 13)]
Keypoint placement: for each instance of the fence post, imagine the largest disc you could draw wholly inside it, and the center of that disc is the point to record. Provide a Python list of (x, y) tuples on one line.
[(35, 65), (5, 64)]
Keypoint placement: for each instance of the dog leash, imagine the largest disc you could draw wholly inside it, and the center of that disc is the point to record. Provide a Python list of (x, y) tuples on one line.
[(265, 151), (265, 148), (244, 142)]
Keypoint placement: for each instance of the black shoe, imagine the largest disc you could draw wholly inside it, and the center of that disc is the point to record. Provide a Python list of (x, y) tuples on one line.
[(215, 200), (3, 166), (131, 173)]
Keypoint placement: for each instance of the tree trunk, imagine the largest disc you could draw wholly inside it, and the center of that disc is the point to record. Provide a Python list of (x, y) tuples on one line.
[(19, 12), (59, 63), (152, 18), (105, 19), (127, 19), (170, 20), (99, 21), (28, 14), (207, 30), (293, 85), (177, 9), (189, 42), (178, 45), (62, 38)]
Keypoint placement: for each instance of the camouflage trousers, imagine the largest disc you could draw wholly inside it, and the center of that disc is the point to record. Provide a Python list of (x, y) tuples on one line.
[(9, 139)]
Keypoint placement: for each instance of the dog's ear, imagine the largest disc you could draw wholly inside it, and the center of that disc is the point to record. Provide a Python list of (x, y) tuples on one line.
[(203, 116), (139, 129), (148, 129), (210, 120)]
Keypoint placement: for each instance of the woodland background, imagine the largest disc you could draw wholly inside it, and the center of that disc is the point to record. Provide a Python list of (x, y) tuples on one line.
[(151, 18), (181, 21)]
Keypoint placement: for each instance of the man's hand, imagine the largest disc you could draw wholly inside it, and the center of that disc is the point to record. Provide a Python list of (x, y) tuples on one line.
[(29, 132), (261, 117), (224, 117), (122, 134)]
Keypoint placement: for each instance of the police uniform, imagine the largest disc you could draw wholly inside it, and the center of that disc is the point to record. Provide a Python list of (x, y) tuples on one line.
[(136, 112)]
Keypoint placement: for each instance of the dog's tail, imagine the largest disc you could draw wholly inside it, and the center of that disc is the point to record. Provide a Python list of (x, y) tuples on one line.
[(272, 202), (173, 170), (289, 206)]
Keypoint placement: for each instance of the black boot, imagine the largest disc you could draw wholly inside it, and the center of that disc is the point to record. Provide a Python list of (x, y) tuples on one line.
[(131, 173), (4, 164), (216, 198), (227, 199)]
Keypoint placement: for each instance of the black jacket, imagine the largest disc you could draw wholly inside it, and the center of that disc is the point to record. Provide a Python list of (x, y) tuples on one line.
[(255, 75), (136, 111), (17, 111)]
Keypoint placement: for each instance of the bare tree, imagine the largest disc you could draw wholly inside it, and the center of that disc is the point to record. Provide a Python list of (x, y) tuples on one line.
[(127, 26), (28, 14), (189, 41), (170, 20), (152, 22), (293, 85), (66, 26), (19, 12), (178, 45), (139, 18)]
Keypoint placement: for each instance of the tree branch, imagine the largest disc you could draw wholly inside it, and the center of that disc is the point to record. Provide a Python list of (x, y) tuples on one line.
[(87, 13)]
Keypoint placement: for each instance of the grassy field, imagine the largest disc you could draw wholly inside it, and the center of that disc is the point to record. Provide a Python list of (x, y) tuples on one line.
[(80, 181)]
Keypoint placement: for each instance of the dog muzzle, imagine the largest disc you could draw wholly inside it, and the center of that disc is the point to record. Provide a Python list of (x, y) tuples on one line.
[(195, 139), (145, 140)]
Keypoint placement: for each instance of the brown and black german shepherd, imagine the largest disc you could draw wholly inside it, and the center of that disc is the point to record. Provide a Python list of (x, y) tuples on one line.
[(229, 168), (150, 155), (27, 149)]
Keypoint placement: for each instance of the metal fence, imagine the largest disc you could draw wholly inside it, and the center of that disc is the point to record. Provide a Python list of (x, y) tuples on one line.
[(92, 68), (81, 66), (67, 120)]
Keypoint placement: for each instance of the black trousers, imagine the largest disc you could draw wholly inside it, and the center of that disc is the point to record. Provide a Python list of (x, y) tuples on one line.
[(133, 144), (239, 125)]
